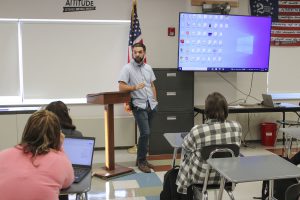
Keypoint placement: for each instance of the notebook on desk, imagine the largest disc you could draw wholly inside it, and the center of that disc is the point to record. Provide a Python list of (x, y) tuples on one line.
[(80, 151), (268, 101)]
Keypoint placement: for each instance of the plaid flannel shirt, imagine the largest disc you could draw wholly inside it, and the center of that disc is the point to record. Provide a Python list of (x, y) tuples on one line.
[(193, 167)]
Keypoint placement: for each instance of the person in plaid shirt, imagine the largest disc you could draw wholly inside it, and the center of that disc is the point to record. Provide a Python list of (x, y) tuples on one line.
[(216, 130)]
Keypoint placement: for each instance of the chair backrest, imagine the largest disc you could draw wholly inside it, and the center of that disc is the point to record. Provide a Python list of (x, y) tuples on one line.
[(220, 151), (293, 192), (215, 151)]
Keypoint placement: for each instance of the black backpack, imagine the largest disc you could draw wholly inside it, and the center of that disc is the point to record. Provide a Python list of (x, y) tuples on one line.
[(280, 186), (169, 191)]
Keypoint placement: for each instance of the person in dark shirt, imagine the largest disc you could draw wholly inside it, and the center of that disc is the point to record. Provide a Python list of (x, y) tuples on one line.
[(62, 112)]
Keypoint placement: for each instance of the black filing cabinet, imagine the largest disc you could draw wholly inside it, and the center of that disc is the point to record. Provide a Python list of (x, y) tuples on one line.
[(175, 95)]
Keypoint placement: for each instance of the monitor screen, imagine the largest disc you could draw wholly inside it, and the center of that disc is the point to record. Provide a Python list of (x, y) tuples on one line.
[(212, 42)]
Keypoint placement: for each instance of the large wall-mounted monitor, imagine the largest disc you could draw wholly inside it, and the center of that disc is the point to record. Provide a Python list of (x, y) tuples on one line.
[(211, 42)]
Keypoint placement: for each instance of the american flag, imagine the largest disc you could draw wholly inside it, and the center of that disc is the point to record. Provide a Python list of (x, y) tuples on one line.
[(285, 19), (135, 33)]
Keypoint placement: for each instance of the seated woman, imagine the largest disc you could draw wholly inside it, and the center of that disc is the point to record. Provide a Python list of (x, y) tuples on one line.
[(37, 168), (62, 112), (216, 130)]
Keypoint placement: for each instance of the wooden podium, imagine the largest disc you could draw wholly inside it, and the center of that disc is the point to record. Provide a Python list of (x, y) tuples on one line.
[(108, 99)]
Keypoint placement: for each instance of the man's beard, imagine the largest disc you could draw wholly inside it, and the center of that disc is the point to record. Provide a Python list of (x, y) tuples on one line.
[(139, 60)]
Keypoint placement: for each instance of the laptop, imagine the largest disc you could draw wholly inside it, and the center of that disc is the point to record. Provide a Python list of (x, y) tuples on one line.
[(268, 101), (80, 151)]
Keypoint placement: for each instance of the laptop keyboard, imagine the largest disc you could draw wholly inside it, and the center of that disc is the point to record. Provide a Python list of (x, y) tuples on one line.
[(80, 173)]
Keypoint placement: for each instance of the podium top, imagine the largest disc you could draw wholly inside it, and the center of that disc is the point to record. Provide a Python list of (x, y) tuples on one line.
[(108, 97)]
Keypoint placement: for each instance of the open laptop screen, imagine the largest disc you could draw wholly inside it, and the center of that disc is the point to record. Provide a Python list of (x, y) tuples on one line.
[(267, 100), (79, 150)]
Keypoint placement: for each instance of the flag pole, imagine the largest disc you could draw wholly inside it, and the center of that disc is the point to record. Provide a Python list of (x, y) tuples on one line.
[(133, 149)]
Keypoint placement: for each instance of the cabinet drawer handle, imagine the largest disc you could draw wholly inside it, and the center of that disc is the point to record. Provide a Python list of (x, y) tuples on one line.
[(171, 74), (171, 118), (171, 93)]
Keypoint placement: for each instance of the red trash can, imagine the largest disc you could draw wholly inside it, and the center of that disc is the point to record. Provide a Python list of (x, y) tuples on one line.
[(268, 133)]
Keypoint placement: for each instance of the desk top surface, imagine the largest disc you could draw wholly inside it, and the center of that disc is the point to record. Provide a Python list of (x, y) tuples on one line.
[(83, 186), (174, 139), (252, 109), (254, 168)]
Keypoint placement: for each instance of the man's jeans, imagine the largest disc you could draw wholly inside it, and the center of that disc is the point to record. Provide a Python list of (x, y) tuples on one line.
[(143, 119)]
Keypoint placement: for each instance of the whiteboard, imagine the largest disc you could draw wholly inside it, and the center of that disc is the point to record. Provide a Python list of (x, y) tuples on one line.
[(70, 60)]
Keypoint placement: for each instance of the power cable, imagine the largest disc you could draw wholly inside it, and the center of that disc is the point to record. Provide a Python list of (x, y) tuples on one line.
[(236, 88), (250, 87)]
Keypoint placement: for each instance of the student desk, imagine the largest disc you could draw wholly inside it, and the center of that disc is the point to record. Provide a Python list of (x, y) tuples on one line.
[(253, 109), (253, 168), (80, 189), (175, 140)]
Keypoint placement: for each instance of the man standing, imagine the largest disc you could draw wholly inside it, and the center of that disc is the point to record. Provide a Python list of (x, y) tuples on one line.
[(137, 78)]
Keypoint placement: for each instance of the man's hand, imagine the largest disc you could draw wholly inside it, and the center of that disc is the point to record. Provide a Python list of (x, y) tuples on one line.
[(129, 88), (139, 86), (127, 108)]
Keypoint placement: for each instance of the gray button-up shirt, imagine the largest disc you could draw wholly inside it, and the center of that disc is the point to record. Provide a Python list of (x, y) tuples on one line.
[(133, 74)]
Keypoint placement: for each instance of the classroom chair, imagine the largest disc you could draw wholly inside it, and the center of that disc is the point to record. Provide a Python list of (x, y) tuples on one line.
[(293, 192), (286, 123), (215, 151)]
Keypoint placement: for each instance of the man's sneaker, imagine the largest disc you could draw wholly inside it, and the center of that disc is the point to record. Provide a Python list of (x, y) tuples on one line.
[(144, 168)]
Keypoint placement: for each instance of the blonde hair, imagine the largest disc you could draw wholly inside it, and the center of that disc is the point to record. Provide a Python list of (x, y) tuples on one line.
[(41, 133)]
